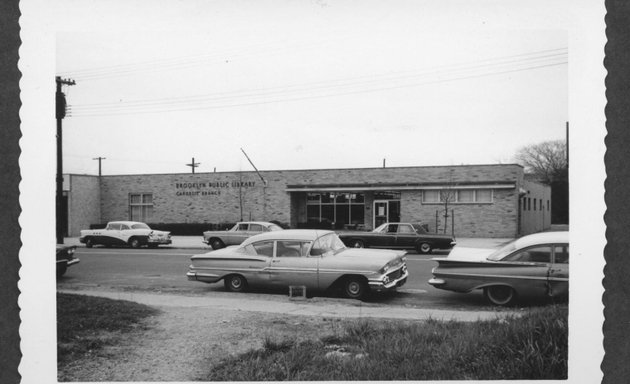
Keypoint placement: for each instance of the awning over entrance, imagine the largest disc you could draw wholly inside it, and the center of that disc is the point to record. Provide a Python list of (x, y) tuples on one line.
[(397, 186)]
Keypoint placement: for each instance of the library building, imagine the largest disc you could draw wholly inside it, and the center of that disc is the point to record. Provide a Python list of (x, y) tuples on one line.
[(468, 200)]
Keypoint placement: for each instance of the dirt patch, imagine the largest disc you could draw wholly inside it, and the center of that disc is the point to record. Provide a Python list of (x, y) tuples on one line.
[(182, 344)]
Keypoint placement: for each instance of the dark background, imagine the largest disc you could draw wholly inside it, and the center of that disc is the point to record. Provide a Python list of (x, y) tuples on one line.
[(617, 311)]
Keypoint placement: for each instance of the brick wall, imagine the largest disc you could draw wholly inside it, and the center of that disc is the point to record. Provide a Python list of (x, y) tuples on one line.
[(83, 203), (216, 197)]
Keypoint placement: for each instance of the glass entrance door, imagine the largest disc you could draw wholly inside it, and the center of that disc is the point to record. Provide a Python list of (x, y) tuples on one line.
[(386, 211), (381, 208)]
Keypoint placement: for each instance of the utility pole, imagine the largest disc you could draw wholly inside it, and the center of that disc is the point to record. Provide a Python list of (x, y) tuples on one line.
[(99, 164), (60, 113), (193, 165)]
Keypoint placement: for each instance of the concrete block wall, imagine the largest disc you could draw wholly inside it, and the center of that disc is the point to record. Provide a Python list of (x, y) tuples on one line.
[(214, 197), (84, 200), (535, 219)]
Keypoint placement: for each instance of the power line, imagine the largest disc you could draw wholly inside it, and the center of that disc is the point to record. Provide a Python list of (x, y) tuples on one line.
[(174, 105)]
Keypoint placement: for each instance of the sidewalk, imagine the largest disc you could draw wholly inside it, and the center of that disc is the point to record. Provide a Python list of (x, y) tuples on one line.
[(196, 242), (308, 307)]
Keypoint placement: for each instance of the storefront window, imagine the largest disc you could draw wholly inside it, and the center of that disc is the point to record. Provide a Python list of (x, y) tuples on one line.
[(461, 196), (340, 208)]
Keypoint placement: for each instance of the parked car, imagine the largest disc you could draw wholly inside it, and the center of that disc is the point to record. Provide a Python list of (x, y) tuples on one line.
[(238, 233), (65, 258), (398, 236), (532, 266), (315, 259), (125, 233)]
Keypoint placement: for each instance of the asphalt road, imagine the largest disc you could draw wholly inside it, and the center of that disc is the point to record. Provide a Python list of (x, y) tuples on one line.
[(164, 271)]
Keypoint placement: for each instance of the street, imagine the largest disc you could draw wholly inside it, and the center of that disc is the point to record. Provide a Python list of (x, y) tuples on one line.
[(164, 270)]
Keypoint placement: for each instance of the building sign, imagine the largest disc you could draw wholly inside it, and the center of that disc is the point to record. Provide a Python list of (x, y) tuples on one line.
[(211, 188)]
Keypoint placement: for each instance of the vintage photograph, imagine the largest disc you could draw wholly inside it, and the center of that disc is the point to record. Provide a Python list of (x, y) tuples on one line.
[(312, 191)]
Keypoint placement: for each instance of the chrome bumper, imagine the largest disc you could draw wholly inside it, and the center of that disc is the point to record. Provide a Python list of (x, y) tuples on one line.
[(383, 283)]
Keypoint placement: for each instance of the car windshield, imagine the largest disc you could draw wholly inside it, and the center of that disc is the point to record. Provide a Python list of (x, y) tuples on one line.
[(327, 244), (140, 226), (503, 251), (380, 228)]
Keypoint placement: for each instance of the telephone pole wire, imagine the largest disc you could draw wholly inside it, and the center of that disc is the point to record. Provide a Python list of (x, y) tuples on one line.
[(60, 113)]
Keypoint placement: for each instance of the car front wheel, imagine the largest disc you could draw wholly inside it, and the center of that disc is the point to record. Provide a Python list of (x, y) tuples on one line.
[(500, 295), (357, 244), (355, 288), (134, 243), (235, 283), (216, 244), (423, 248)]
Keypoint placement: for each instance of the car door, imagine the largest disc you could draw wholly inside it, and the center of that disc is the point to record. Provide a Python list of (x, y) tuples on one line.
[(406, 236), (386, 238), (559, 271), (111, 235), (292, 265), (527, 270)]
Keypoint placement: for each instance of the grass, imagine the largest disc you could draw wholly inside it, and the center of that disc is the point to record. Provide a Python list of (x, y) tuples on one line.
[(86, 324), (533, 346)]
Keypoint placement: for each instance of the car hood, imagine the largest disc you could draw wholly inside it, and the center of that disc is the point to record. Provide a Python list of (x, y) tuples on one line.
[(470, 254)]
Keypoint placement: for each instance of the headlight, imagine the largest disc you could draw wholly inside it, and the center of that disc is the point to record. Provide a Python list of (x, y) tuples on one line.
[(70, 251), (385, 268)]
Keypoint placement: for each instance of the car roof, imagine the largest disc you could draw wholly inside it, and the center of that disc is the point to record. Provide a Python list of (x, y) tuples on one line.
[(543, 238), (289, 234), (265, 223), (125, 222)]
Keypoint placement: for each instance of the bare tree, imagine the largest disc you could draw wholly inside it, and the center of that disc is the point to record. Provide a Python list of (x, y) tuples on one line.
[(547, 161)]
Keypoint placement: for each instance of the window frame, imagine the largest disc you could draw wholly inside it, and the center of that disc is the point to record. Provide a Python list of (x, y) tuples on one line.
[(146, 206)]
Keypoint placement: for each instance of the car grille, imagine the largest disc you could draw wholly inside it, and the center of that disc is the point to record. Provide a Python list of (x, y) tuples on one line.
[(395, 274)]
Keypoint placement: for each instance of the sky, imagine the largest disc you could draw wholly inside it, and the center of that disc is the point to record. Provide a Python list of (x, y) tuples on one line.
[(309, 85)]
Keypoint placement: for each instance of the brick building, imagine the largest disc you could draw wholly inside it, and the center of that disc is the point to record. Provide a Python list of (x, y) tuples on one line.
[(481, 200)]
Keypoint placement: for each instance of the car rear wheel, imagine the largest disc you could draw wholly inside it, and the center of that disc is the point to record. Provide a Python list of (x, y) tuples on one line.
[(357, 244), (355, 288), (89, 243), (500, 295), (134, 242), (424, 248), (235, 283), (216, 244)]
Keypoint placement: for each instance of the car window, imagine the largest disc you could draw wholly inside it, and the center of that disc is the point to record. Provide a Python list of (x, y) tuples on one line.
[(392, 228), (255, 228), (113, 227), (140, 226), (264, 248), (541, 254), (405, 229), (242, 227), (124, 227), (419, 228), (561, 254), (292, 248), (329, 243)]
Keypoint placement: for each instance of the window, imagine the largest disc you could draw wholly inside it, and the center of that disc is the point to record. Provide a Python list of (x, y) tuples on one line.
[(290, 248), (264, 248), (141, 207), (561, 254), (124, 227), (534, 204), (540, 254), (459, 196), (431, 196), (242, 227), (405, 229), (255, 228), (342, 208)]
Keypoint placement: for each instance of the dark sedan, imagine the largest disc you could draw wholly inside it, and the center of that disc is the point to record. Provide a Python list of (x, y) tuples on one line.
[(398, 236), (65, 258)]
